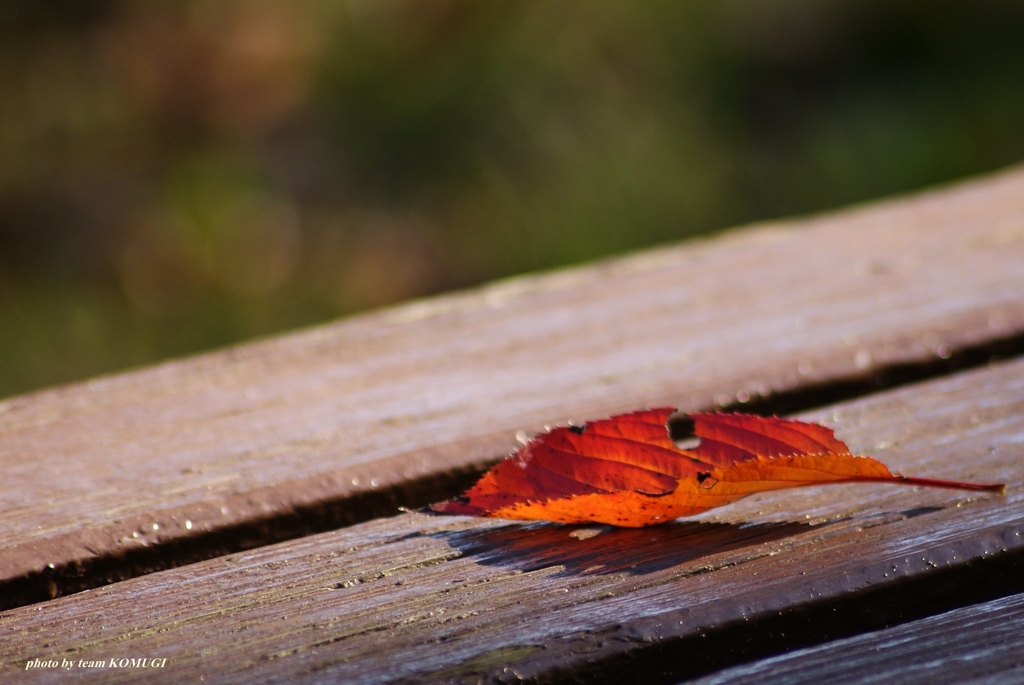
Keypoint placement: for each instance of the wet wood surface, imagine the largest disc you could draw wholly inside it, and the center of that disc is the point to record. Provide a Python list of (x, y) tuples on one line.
[(983, 643), (420, 598), (165, 457)]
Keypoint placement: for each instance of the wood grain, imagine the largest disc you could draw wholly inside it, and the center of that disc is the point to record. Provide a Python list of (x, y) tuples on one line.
[(169, 454), (981, 643), (419, 598)]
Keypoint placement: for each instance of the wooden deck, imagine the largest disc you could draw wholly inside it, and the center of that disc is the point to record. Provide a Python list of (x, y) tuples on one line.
[(234, 513)]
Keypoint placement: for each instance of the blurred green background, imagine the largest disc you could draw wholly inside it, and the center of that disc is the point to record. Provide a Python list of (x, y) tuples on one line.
[(176, 176)]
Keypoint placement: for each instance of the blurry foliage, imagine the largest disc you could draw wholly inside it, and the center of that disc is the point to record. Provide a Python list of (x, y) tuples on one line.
[(181, 175)]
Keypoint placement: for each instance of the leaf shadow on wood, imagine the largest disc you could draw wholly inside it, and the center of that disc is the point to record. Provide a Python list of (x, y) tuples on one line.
[(596, 549)]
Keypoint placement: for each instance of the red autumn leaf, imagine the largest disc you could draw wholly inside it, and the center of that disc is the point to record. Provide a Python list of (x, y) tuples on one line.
[(627, 471)]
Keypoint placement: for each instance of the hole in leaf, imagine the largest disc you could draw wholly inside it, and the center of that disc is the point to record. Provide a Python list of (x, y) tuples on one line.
[(681, 427)]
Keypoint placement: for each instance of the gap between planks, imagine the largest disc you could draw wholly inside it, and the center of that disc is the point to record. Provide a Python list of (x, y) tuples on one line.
[(977, 644), (422, 599)]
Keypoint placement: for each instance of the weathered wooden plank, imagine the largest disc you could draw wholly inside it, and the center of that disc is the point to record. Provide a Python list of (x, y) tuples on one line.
[(423, 598), (978, 644), (166, 457)]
